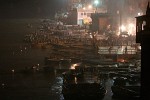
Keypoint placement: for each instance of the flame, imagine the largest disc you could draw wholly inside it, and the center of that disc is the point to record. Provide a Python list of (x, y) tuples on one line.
[(73, 66)]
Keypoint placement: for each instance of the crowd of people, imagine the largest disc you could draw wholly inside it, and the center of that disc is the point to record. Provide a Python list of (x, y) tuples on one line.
[(49, 33)]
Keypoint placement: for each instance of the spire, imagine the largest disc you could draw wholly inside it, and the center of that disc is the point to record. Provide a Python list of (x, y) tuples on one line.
[(148, 9)]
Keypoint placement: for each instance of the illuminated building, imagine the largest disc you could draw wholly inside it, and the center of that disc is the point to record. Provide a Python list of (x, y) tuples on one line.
[(122, 11), (85, 8)]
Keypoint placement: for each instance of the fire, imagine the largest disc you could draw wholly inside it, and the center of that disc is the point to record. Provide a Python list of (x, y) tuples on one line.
[(73, 66)]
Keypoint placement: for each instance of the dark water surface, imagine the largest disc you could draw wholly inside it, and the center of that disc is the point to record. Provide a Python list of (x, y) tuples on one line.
[(16, 56)]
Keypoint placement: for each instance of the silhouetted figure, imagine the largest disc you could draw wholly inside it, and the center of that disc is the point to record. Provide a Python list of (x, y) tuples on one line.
[(126, 50), (109, 50)]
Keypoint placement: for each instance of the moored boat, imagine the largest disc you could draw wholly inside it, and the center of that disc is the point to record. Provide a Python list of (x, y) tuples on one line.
[(123, 89), (80, 91), (78, 86)]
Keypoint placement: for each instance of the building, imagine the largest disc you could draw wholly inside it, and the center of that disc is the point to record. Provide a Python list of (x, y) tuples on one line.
[(143, 37), (100, 22), (84, 15), (84, 10)]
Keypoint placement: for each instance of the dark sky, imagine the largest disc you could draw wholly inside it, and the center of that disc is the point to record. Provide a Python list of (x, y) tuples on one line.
[(29, 8)]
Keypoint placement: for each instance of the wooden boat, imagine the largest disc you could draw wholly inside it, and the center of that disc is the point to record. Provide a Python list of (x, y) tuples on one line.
[(92, 91), (76, 87), (122, 89)]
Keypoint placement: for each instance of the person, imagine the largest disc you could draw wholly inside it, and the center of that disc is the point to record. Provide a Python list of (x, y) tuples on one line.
[(110, 49), (126, 50)]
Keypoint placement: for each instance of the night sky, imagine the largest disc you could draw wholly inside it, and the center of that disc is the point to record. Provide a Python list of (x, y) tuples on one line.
[(29, 8)]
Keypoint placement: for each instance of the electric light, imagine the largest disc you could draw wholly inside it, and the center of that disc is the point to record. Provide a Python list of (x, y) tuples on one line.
[(89, 6), (96, 2)]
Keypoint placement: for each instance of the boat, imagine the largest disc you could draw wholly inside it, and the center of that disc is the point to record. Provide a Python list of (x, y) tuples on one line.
[(78, 86), (80, 91), (51, 61), (123, 89)]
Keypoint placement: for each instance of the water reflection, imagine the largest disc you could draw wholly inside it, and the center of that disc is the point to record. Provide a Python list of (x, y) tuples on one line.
[(56, 88)]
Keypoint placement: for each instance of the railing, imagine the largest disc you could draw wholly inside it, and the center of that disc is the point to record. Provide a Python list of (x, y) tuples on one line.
[(115, 51)]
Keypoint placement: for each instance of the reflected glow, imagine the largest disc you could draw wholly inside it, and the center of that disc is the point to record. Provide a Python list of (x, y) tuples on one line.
[(75, 79)]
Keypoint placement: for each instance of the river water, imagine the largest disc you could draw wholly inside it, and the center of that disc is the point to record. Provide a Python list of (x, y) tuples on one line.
[(16, 56)]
